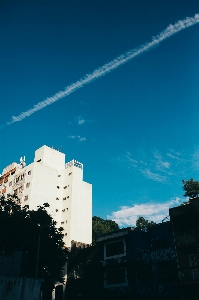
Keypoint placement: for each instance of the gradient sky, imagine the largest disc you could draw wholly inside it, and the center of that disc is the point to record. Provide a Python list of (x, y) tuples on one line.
[(136, 129)]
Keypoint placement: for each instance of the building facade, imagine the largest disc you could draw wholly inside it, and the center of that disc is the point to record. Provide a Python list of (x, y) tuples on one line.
[(50, 180), (185, 230)]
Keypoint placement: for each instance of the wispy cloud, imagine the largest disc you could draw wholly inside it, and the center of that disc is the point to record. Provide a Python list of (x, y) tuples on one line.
[(109, 67), (175, 155), (81, 120), (128, 160), (154, 176), (157, 166), (77, 137), (161, 163), (127, 215), (196, 158)]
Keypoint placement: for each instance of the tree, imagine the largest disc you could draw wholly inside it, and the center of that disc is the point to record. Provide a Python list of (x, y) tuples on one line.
[(101, 226), (143, 224), (34, 233), (191, 188)]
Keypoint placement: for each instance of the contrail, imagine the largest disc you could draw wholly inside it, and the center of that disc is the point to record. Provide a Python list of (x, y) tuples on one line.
[(112, 65)]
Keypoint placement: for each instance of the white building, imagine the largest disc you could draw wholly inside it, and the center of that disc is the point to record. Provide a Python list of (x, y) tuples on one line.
[(49, 180)]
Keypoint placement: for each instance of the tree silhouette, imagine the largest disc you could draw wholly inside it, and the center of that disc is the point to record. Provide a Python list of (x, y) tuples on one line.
[(191, 188), (34, 233), (101, 226)]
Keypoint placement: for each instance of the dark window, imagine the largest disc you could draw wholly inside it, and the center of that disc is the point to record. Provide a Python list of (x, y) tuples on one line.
[(115, 276), (29, 172), (10, 183), (27, 184), (115, 248), (38, 160)]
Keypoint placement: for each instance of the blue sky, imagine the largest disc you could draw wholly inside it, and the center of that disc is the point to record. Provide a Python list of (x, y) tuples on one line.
[(136, 128)]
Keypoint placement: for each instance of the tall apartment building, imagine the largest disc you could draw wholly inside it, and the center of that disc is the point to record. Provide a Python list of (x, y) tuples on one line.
[(50, 180)]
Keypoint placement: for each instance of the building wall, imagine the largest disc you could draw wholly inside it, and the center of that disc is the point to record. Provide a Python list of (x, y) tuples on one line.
[(49, 180), (19, 288)]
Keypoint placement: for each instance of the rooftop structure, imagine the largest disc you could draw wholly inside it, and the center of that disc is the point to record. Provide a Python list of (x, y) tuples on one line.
[(50, 180)]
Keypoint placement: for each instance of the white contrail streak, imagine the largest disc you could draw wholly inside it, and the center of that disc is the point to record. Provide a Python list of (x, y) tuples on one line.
[(120, 60)]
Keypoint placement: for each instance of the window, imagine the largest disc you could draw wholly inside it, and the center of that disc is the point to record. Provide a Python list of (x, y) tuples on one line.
[(56, 210), (69, 173), (64, 198), (67, 208), (62, 222), (65, 186), (27, 184), (63, 210), (66, 221), (68, 197), (59, 175), (65, 234), (115, 277), (114, 249), (58, 187), (29, 172), (10, 183), (38, 160), (26, 198), (57, 198)]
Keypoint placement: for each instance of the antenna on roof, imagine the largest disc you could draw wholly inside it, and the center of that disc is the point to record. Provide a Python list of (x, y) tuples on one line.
[(23, 161), (165, 219), (59, 149)]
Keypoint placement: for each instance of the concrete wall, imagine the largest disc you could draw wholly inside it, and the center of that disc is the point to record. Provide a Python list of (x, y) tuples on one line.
[(19, 288)]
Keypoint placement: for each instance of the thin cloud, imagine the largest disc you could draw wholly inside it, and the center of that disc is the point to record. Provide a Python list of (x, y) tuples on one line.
[(196, 159), (81, 120), (77, 137), (109, 67), (175, 155), (161, 163), (127, 215), (154, 176)]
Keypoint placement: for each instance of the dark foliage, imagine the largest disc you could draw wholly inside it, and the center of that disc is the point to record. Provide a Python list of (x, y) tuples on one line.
[(101, 226), (34, 233), (191, 188), (143, 224)]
